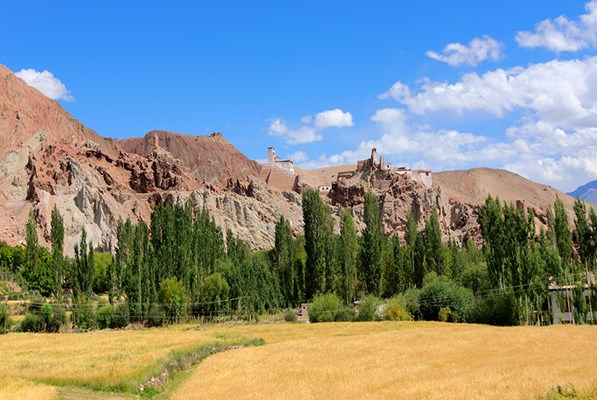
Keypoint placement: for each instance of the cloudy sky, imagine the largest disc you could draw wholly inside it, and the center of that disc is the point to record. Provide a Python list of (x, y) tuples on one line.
[(441, 85)]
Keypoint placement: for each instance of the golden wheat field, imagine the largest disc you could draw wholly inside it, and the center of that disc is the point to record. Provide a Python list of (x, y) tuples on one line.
[(400, 361), (383, 360)]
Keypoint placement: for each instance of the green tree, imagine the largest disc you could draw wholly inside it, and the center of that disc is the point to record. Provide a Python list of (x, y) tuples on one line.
[(372, 261), (348, 251), (57, 235), (83, 267), (31, 249), (582, 233), (562, 233), (318, 233), (174, 298), (434, 245), (491, 220), (283, 259), (214, 295)]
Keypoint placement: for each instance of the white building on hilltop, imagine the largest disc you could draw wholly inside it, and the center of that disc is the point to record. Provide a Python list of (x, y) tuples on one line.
[(274, 160)]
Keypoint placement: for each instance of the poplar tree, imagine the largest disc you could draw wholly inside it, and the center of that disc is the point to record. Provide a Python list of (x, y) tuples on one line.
[(434, 245), (31, 251), (582, 232), (83, 267), (57, 235), (318, 232), (348, 251), (283, 260), (372, 249), (562, 233), (491, 220)]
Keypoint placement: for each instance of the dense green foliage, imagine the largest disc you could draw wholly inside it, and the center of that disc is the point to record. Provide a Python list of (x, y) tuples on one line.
[(372, 256), (319, 277), (182, 266)]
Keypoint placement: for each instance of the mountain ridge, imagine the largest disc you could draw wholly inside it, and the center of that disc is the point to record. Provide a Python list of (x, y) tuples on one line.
[(48, 158)]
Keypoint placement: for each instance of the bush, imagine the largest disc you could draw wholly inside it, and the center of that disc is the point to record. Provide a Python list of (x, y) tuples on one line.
[(345, 314), (44, 317), (496, 309), (5, 320), (396, 309), (445, 314), (156, 316), (52, 317), (441, 292), (368, 308), (30, 323), (174, 298), (83, 314), (290, 315), (411, 299), (105, 317), (121, 316), (324, 308)]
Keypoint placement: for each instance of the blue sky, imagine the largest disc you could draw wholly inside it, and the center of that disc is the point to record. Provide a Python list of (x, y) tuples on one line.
[(440, 85)]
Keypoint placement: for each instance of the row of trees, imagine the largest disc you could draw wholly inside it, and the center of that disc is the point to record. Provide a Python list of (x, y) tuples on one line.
[(181, 264)]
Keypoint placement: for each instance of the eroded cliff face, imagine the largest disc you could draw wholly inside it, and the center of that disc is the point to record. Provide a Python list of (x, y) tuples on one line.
[(48, 159)]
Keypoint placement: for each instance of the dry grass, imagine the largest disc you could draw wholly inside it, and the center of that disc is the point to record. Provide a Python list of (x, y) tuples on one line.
[(103, 359), (20, 389), (387, 360), (383, 361)]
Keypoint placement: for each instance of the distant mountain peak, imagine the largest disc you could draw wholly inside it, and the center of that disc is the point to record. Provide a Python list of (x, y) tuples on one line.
[(587, 192)]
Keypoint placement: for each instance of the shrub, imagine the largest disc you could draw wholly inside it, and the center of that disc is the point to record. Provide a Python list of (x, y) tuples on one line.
[(496, 309), (411, 299), (396, 309), (174, 298), (121, 316), (444, 314), (30, 323), (105, 317), (290, 315), (441, 292), (52, 317), (345, 314), (5, 320), (44, 317), (368, 308), (324, 308), (156, 316), (83, 314)]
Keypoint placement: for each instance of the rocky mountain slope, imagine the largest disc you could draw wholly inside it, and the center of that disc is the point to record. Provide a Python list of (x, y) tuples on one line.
[(49, 158), (211, 159)]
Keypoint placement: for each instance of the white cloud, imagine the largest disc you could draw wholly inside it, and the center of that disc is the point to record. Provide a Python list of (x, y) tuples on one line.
[(536, 149), (306, 119), (478, 50), (559, 92), (335, 118), (563, 34), (398, 91), (550, 155), (46, 83), (298, 156), (277, 127), (302, 135)]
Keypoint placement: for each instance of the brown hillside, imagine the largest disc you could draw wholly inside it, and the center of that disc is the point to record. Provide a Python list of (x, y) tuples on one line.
[(212, 159), (473, 186), (26, 112)]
